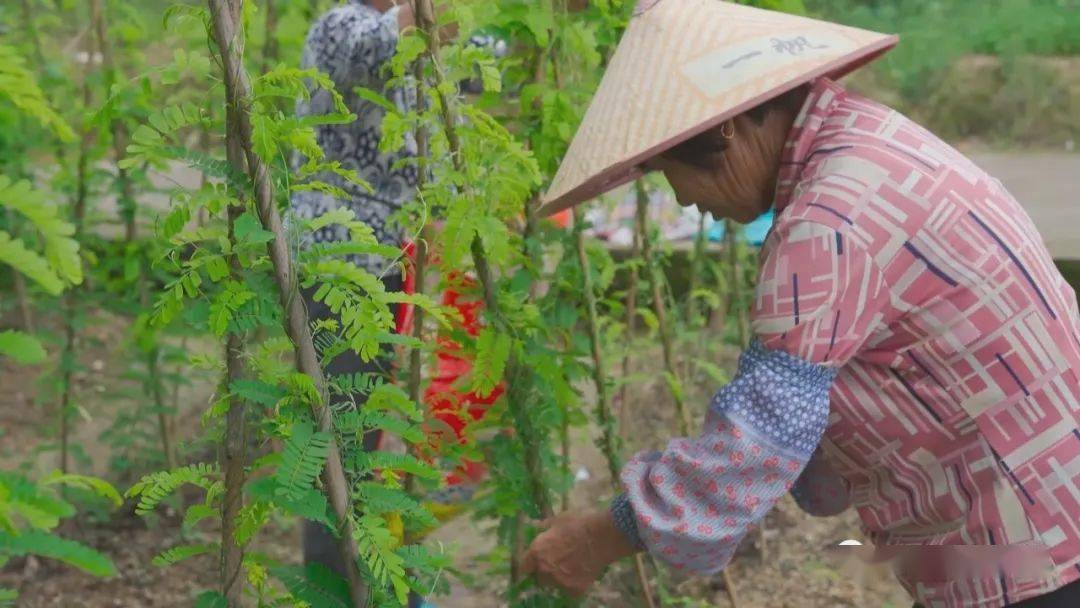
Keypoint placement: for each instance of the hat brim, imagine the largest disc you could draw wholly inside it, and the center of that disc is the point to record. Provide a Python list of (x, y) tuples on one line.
[(624, 171)]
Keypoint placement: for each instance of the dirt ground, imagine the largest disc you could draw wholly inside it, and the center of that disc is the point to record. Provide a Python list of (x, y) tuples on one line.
[(793, 571)]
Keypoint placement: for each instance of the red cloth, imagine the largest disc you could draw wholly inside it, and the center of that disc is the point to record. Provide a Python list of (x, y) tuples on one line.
[(446, 403)]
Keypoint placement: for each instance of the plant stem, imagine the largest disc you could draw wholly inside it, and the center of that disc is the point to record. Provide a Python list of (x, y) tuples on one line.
[(22, 298), (516, 374), (238, 92), (128, 209), (119, 133), (631, 318), (419, 274), (692, 309), (737, 299), (78, 214), (609, 442), (270, 44), (235, 441), (656, 282)]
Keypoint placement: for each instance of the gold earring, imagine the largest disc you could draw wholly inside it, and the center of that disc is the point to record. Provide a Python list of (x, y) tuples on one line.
[(727, 130)]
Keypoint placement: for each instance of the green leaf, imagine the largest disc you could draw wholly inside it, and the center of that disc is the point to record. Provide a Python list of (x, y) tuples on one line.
[(212, 599), (98, 486), (19, 86), (21, 347), (369, 95), (315, 584), (197, 513), (15, 254), (155, 487), (249, 230), (715, 372), (178, 554), (310, 503), (256, 391), (43, 544), (492, 351), (302, 459), (175, 221)]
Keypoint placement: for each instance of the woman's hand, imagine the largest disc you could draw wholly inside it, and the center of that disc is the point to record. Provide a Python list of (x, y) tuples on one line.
[(574, 549)]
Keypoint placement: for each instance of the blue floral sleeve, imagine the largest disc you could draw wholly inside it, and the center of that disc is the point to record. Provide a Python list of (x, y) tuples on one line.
[(691, 504)]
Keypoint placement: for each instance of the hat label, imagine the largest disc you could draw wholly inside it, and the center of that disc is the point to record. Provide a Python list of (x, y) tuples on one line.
[(721, 71)]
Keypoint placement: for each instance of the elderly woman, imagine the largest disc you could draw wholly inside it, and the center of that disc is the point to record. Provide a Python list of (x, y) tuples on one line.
[(916, 353)]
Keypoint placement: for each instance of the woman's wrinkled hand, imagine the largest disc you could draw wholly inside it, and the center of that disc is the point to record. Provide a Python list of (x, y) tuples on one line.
[(574, 549)]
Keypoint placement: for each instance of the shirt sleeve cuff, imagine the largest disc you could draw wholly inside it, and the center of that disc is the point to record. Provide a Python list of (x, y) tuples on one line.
[(622, 512)]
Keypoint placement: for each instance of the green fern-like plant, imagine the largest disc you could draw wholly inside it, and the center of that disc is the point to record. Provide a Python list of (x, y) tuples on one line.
[(30, 511), (44, 544), (302, 459), (18, 85), (156, 487), (180, 553)]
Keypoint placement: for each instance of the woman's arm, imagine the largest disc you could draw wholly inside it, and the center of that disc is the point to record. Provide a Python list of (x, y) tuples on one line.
[(692, 504), (819, 298)]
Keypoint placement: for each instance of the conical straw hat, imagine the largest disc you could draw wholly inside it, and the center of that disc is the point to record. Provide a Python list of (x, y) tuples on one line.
[(685, 66)]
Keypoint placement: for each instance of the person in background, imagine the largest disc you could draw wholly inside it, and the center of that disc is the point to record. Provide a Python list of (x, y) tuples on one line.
[(916, 351), (352, 43)]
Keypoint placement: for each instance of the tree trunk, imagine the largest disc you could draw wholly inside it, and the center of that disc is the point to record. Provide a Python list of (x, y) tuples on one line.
[(238, 93)]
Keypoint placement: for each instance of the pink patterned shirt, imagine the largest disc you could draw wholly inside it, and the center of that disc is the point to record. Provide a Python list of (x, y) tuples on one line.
[(954, 416)]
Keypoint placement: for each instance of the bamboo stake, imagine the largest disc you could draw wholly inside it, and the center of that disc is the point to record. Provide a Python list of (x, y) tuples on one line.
[(238, 92)]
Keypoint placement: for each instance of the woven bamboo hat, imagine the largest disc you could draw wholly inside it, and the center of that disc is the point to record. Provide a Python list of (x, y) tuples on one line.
[(685, 66)]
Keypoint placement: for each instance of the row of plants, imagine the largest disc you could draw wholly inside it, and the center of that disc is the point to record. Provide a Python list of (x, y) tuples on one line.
[(97, 110)]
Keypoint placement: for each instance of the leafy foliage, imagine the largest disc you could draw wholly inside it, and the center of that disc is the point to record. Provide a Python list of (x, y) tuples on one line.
[(21, 347), (156, 487), (302, 460), (181, 553), (21, 89), (30, 511)]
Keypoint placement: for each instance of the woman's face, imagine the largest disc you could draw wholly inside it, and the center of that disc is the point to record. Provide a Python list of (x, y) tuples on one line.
[(739, 182)]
